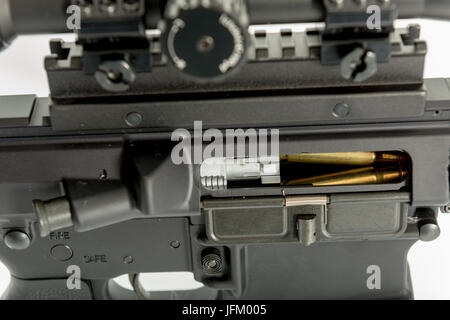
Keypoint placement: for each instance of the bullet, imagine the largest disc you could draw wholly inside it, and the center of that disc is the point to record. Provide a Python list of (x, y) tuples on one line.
[(366, 175), (345, 158), (334, 175)]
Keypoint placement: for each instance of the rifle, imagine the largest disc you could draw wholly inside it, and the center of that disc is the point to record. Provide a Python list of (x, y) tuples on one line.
[(191, 136)]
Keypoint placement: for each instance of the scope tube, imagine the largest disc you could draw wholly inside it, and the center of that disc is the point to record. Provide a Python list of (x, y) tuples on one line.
[(31, 17), (49, 16), (6, 25)]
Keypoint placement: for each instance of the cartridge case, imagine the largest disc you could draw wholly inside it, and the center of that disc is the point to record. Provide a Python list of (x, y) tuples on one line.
[(366, 175), (345, 158)]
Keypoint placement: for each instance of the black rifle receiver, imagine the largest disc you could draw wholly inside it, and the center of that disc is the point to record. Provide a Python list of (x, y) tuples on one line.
[(100, 175)]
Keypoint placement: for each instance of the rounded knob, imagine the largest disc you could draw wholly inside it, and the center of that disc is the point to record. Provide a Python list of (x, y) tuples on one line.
[(17, 240), (427, 223), (205, 39), (429, 231)]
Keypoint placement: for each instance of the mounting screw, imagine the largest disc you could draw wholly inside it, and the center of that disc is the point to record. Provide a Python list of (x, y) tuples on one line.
[(341, 110), (359, 65), (133, 119), (446, 208), (115, 76), (212, 263)]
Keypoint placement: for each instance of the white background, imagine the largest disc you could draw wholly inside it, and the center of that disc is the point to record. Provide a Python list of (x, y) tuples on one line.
[(22, 72)]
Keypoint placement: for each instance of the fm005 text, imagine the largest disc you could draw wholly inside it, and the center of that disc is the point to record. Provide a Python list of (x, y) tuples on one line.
[(229, 310)]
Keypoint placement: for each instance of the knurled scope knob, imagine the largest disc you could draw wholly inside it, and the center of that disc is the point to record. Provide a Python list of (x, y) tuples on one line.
[(205, 39)]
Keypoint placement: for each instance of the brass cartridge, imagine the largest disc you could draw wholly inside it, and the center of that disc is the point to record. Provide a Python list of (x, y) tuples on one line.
[(344, 158), (366, 175)]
